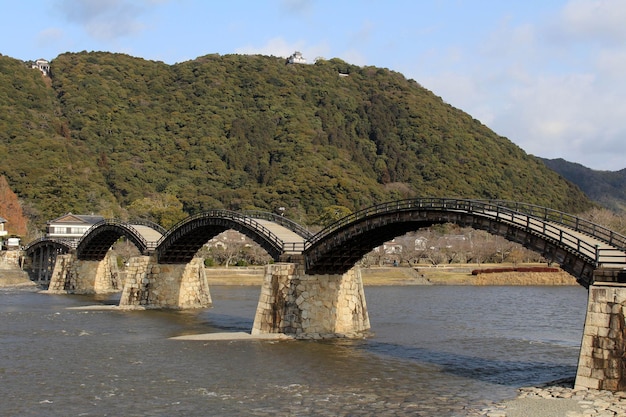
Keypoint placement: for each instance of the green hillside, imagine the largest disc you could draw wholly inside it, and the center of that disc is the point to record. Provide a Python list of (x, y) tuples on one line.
[(119, 135), (607, 188)]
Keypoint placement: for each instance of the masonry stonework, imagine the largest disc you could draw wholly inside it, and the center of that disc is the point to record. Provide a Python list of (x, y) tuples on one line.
[(11, 259), (173, 286), (311, 306), (84, 277), (602, 362)]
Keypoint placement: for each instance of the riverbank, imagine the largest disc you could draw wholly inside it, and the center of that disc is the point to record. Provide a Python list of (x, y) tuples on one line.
[(558, 399), (372, 276), (14, 278), (421, 275)]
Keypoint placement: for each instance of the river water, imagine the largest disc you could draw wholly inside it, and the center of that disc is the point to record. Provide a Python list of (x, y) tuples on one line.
[(434, 351)]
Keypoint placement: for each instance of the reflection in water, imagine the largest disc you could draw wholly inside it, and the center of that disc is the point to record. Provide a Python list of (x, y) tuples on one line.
[(433, 351)]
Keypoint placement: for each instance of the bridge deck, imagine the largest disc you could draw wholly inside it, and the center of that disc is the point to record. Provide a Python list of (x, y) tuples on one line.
[(149, 234), (293, 242), (609, 255)]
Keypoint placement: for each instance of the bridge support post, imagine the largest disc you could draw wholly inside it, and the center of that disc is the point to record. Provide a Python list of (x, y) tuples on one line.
[(173, 286), (74, 276), (311, 306), (602, 362), (41, 263)]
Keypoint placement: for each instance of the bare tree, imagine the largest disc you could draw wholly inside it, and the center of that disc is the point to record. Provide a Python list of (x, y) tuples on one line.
[(607, 218), (125, 250)]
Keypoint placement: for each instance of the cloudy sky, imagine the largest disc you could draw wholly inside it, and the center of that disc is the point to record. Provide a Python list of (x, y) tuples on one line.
[(550, 75)]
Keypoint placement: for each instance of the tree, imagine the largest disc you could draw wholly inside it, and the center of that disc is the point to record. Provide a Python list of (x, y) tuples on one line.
[(125, 250), (607, 218), (163, 209), (11, 210), (331, 214)]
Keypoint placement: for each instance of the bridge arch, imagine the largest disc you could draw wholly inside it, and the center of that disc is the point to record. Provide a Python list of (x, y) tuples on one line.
[(59, 246), (340, 246), (97, 241), (41, 255), (181, 242)]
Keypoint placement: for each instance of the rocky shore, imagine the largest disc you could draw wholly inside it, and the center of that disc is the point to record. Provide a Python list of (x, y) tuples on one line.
[(558, 399)]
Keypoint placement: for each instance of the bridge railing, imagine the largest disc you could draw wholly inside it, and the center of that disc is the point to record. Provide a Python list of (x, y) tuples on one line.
[(294, 247), (124, 225), (551, 231), (281, 220), (391, 206), (540, 219), (64, 242), (574, 222), (610, 258), (234, 216)]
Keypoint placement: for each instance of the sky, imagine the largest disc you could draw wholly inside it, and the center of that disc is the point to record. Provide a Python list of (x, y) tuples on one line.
[(550, 75)]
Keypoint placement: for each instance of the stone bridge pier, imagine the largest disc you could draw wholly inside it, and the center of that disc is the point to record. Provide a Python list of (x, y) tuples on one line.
[(147, 284), (172, 286), (311, 306), (74, 276), (602, 362)]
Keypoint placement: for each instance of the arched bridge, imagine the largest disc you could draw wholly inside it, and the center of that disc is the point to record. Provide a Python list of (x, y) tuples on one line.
[(579, 246), (276, 234)]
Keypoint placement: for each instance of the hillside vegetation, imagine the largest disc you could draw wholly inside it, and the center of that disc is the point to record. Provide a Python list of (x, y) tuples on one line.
[(608, 188), (117, 135)]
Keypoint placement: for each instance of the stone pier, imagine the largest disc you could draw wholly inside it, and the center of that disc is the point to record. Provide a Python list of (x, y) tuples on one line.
[(173, 286), (311, 306), (74, 276), (602, 362)]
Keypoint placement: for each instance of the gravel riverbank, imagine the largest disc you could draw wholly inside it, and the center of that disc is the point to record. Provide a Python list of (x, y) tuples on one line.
[(558, 399)]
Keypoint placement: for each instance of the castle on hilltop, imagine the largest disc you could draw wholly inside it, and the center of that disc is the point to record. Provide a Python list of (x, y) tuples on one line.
[(296, 58), (42, 65)]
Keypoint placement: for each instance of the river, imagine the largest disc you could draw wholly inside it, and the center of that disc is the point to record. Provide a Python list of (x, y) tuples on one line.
[(434, 351)]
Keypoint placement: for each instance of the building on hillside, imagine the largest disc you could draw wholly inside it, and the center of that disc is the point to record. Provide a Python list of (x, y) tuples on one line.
[(3, 231), (420, 243), (42, 65), (222, 240), (296, 58), (71, 226), (389, 247)]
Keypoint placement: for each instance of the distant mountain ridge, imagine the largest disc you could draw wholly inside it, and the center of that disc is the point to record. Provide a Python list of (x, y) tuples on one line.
[(607, 188), (117, 135)]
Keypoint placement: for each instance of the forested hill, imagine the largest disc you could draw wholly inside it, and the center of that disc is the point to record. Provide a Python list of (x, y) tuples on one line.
[(608, 188), (113, 134)]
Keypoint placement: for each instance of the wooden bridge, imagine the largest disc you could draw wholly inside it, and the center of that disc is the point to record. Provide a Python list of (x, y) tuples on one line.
[(579, 246)]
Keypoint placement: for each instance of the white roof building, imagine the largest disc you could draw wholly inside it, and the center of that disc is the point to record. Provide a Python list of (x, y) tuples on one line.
[(71, 226), (296, 58), (42, 65)]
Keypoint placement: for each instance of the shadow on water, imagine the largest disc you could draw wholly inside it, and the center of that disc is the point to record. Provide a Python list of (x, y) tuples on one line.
[(496, 371)]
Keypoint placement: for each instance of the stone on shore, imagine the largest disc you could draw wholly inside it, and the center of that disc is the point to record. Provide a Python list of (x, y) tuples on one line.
[(559, 400)]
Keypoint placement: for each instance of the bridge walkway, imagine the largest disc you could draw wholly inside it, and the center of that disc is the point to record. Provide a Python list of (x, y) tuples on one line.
[(605, 254), (293, 243), (150, 235)]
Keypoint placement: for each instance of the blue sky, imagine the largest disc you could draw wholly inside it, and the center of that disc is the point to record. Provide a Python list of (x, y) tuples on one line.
[(548, 74)]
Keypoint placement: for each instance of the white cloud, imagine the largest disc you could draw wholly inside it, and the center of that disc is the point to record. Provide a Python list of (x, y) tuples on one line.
[(611, 62), (601, 20), (106, 19), (556, 90), (49, 36), (297, 6)]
